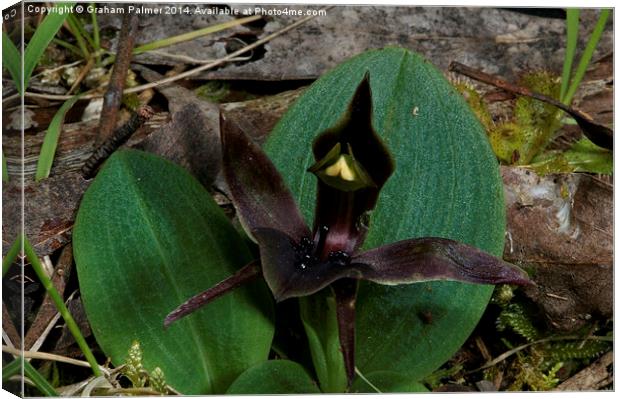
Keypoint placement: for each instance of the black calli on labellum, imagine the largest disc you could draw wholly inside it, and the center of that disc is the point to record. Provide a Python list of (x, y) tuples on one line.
[(352, 165)]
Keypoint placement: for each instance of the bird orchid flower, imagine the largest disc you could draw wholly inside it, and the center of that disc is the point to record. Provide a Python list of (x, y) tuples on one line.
[(352, 165)]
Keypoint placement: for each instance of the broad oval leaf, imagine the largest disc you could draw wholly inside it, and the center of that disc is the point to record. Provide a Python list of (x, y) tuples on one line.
[(446, 184), (147, 237), (274, 377)]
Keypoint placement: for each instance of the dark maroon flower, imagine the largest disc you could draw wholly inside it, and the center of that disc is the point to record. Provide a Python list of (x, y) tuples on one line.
[(352, 165)]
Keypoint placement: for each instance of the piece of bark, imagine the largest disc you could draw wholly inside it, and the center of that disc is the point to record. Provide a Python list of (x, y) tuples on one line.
[(596, 92), (48, 310), (594, 377), (9, 327), (562, 227), (51, 204), (188, 140), (499, 41), (49, 207), (75, 146), (192, 138)]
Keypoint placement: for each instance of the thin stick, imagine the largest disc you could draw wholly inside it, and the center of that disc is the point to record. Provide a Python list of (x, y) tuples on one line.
[(599, 134), (60, 305), (82, 75), (511, 352), (48, 356), (228, 58), (114, 93), (120, 136)]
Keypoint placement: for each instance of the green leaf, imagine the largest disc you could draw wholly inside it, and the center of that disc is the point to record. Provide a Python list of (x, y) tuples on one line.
[(274, 377), (588, 52), (585, 156), (582, 156), (11, 369), (12, 60), (446, 184), (572, 31), (15, 367), (318, 315), (382, 381), (50, 142), (41, 39), (11, 254), (147, 237), (39, 381), (5, 171)]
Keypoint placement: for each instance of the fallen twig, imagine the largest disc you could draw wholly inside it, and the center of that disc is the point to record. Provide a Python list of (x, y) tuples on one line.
[(513, 351), (599, 134), (49, 356), (114, 93), (85, 70), (120, 136), (593, 377)]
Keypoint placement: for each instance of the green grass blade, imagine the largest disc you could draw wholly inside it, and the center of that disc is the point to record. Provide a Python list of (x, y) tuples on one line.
[(572, 31), (39, 381), (75, 31), (11, 254), (68, 46), (192, 35), (587, 56), (12, 59), (41, 39), (96, 39), (79, 26), (50, 142), (11, 369), (5, 171), (60, 305)]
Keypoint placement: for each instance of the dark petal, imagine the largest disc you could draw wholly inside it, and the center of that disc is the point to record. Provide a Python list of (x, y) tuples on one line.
[(429, 259), (258, 192), (290, 268), (346, 292), (246, 274), (344, 212)]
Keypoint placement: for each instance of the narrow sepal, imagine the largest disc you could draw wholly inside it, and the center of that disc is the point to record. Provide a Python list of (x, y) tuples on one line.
[(246, 274), (430, 259), (258, 192), (346, 292)]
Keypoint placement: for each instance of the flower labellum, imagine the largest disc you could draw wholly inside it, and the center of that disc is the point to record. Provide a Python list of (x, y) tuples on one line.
[(352, 165)]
